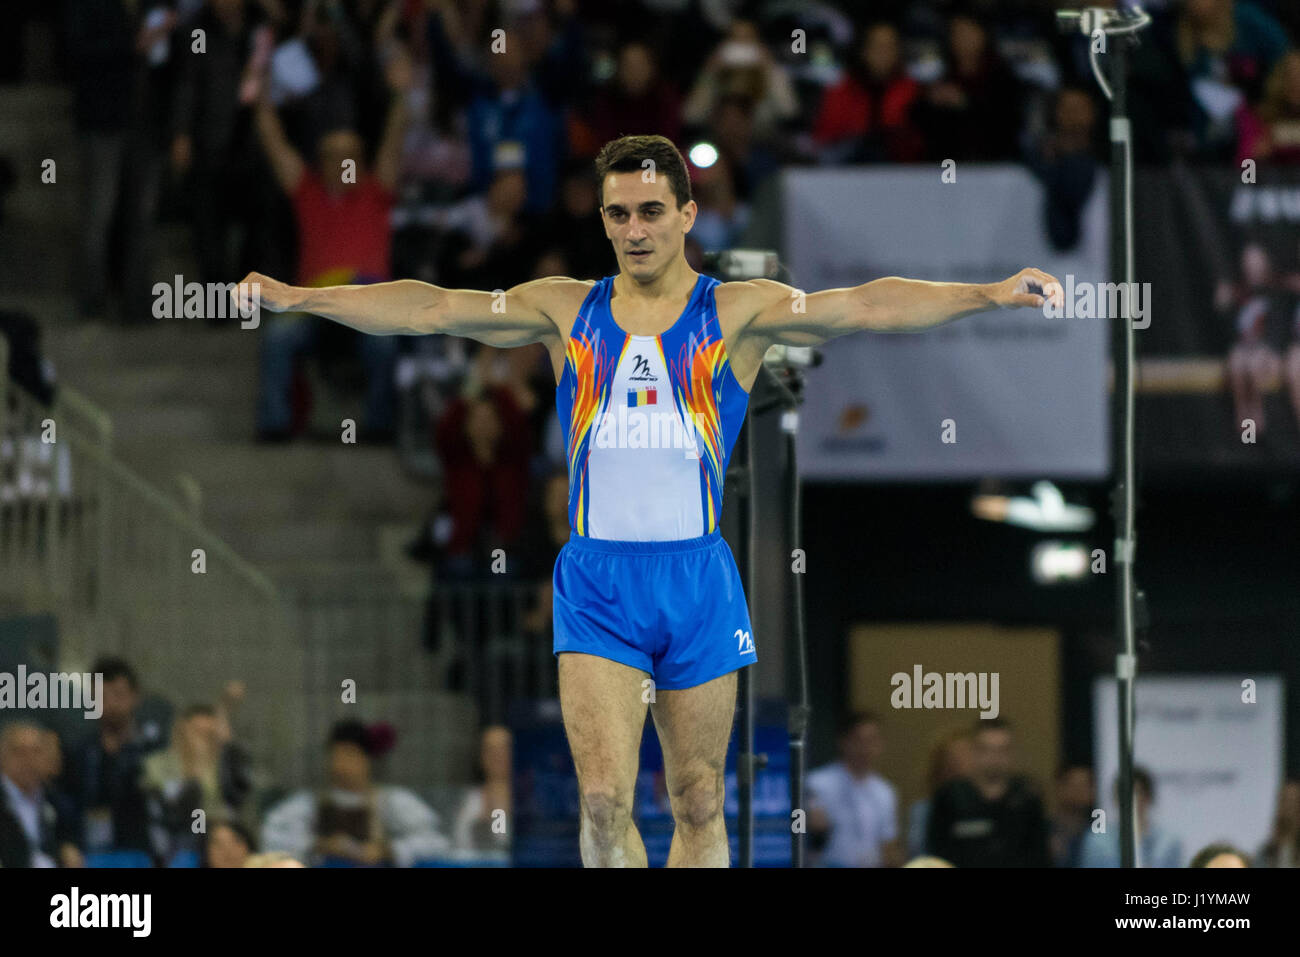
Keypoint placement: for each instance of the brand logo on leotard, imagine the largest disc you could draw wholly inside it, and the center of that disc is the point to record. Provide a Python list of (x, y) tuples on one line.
[(641, 370)]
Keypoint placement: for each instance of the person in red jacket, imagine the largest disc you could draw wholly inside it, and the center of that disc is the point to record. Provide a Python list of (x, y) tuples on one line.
[(867, 116)]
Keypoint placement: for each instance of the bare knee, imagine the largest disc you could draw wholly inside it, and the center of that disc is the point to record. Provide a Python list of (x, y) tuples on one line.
[(607, 814), (697, 805)]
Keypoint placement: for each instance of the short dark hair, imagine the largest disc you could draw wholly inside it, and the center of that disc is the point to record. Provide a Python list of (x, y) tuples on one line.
[(1211, 851), (114, 668), (849, 723), (627, 154), (198, 710)]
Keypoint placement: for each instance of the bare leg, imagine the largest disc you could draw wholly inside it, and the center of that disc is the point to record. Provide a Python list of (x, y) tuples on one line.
[(604, 718), (694, 726)]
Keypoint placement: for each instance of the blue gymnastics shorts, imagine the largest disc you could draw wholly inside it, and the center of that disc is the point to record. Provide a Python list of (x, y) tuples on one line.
[(674, 609)]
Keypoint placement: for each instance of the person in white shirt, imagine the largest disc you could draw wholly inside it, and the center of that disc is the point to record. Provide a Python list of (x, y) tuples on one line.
[(853, 811)]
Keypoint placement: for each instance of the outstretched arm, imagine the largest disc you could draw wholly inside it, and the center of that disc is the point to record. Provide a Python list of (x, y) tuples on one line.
[(507, 318), (285, 161), (783, 315)]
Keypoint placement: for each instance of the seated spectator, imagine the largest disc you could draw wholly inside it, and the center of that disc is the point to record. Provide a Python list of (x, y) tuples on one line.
[(743, 66), (867, 116), (483, 821), (1282, 849), (1072, 815), (355, 819), (574, 228), (1156, 846), (949, 759), (227, 844), (1228, 48), (492, 240), (1253, 360), (974, 111), (1270, 133), (33, 833), (850, 806), (1065, 159), (721, 218), (995, 817), (202, 770), (486, 450), (637, 91), (1220, 855), (752, 161), (344, 236), (103, 771)]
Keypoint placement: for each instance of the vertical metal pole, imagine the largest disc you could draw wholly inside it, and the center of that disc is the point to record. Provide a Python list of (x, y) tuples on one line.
[(1121, 210)]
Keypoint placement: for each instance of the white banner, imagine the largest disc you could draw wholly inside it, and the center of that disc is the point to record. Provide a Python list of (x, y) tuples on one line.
[(1016, 394), (1216, 760)]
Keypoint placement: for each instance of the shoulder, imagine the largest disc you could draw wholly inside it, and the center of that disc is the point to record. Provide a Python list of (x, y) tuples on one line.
[(738, 303), (557, 297)]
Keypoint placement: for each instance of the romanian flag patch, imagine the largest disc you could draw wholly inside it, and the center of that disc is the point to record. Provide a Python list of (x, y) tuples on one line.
[(636, 397)]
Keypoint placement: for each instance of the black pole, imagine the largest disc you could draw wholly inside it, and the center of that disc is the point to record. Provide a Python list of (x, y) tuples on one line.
[(744, 482), (796, 648), (1121, 267)]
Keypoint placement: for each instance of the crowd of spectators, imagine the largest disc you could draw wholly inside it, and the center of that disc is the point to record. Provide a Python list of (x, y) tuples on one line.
[(131, 793), (142, 789), (980, 810)]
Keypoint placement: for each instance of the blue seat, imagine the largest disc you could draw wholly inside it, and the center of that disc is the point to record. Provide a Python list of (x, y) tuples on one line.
[(184, 859), (118, 859), (447, 862)]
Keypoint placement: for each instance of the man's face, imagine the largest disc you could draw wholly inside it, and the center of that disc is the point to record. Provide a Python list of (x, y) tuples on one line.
[(349, 766), (644, 224), (993, 754), (1075, 789), (120, 700), (22, 758), (863, 745), (880, 51)]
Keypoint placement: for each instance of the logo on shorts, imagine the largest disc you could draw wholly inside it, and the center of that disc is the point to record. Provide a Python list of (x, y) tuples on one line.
[(746, 644)]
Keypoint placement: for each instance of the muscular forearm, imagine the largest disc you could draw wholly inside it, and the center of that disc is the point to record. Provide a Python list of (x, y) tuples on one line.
[(402, 307), (911, 305)]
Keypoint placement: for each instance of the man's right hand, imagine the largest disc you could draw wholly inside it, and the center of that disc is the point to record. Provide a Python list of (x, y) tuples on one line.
[(273, 295)]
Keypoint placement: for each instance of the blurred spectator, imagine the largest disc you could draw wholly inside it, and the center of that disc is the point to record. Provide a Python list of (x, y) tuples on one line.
[(504, 104), (548, 534), (1072, 814), (102, 773), (851, 806), (994, 818), (640, 99), (732, 131), (867, 115), (1156, 846), (1253, 360), (1065, 160), (483, 821), (975, 110), (201, 770), (493, 240), (344, 236), (1282, 849), (949, 759), (1228, 48), (272, 859), (42, 837), (212, 140), (1270, 133), (721, 218), (355, 819), (101, 38), (574, 229), (742, 65), (227, 844), (1219, 855), (486, 450)]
